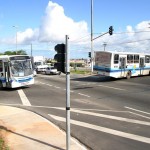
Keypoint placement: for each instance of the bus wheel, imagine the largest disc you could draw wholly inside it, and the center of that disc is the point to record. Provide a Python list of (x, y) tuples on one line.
[(128, 75)]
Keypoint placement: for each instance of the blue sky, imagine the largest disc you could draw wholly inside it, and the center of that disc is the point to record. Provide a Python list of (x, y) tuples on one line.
[(45, 23)]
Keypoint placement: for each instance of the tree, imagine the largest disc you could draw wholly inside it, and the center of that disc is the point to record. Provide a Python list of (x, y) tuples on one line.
[(19, 52)]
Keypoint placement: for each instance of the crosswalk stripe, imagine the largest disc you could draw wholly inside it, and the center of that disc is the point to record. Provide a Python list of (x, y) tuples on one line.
[(105, 130), (24, 99), (109, 116)]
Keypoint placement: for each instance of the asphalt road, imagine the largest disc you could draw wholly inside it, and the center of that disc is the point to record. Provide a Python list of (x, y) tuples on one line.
[(106, 114)]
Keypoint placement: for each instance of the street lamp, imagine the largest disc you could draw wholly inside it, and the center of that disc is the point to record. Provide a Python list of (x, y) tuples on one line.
[(105, 44), (16, 27)]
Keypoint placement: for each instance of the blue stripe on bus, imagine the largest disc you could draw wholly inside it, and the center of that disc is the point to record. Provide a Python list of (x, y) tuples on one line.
[(24, 80), (19, 80), (103, 69), (3, 80)]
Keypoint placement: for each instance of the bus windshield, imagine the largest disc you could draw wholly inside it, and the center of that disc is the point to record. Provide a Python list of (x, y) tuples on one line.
[(20, 68)]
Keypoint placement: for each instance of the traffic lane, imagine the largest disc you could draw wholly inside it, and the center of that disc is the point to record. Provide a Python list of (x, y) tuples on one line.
[(135, 126), (120, 131), (140, 79), (10, 96), (78, 99), (117, 90), (45, 94), (133, 84), (98, 140), (53, 79), (114, 94)]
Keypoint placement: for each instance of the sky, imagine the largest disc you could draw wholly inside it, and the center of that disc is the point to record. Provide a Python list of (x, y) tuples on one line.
[(44, 24)]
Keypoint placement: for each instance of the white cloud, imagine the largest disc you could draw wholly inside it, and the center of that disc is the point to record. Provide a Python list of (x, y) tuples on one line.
[(27, 36), (129, 29), (55, 25), (143, 25)]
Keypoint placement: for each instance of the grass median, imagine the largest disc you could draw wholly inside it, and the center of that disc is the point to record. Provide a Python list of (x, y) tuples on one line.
[(80, 71)]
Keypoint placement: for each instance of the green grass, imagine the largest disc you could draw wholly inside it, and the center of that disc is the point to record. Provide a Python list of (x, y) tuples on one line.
[(80, 72), (3, 144)]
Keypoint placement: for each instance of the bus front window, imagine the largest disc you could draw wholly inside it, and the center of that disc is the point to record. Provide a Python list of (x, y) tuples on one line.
[(21, 68)]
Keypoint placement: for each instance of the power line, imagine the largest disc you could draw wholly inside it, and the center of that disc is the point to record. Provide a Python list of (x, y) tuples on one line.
[(130, 42)]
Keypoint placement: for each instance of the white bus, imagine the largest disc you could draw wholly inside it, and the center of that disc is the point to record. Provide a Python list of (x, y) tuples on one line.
[(15, 71), (121, 64)]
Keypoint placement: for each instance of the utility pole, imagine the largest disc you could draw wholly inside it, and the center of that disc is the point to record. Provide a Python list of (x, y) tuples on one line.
[(67, 94), (92, 53)]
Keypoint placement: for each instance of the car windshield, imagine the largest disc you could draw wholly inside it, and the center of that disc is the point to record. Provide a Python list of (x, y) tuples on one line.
[(21, 68)]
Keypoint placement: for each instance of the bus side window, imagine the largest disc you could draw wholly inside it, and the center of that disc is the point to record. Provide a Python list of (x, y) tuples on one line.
[(1, 66), (147, 59), (116, 59), (136, 58), (129, 58)]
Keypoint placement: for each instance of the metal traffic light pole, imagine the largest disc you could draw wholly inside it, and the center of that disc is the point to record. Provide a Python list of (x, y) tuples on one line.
[(67, 95)]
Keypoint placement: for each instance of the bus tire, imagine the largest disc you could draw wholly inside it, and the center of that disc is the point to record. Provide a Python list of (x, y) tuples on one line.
[(128, 76)]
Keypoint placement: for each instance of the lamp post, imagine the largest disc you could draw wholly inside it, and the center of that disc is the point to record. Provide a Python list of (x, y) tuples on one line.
[(105, 44), (16, 27)]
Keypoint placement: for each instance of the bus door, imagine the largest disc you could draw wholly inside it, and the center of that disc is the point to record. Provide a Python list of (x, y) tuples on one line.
[(7, 74), (122, 65), (142, 65)]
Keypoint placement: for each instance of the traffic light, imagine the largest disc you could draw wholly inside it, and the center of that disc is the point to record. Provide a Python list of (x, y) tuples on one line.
[(60, 57), (111, 30), (89, 54)]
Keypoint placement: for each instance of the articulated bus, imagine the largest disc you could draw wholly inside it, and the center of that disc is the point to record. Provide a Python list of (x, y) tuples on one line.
[(15, 71), (121, 64)]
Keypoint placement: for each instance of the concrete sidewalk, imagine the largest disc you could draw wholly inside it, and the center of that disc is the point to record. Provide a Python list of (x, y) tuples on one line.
[(25, 130)]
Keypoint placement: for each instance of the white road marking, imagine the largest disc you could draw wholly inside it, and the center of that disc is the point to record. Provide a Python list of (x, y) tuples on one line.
[(84, 95), (112, 87), (24, 99), (70, 90), (108, 116), (139, 115), (88, 84), (49, 85), (137, 110), (103, 110), (105, 130), (57, 87)]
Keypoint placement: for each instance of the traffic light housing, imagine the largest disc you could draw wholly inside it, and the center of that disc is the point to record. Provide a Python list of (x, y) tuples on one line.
[(60, 57), (111, 30), (89, 54)]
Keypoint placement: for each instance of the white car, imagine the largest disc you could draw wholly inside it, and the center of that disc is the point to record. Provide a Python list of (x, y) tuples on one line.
[(52, 70), (41, 68)]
